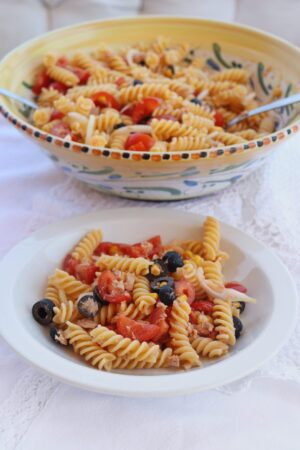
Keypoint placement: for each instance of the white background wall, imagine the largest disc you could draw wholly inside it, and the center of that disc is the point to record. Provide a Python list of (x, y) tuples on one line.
[(23, 19)]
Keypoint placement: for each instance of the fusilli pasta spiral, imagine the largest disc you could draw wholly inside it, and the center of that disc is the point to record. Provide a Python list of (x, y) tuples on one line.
[(179, 333)]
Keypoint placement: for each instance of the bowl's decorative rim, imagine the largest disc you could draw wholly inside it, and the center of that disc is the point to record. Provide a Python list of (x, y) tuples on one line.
[(148, 156), (117, 154)]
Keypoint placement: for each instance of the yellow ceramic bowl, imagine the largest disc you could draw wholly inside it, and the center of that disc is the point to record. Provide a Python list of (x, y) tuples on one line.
[(163, 176)]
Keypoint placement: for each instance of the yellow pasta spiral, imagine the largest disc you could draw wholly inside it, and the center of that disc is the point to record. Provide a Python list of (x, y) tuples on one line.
[(140, 91), (48, 97), (107, 121), (84, 106), (228, 138), (198, 110), (117, 141), (64, 104), (194, 246), (85, 61), (235, 75), (164, 129), (52, 294), (162, 360), (179, 333), (142, 296), (64, 312), (213, 272), (181, 88), (208, 347), (72, 287), (152, 59), (230, 97), (211, 238), (87, 348), (116, 62), (107, 312), (188, 143), (165, 108), (189, 271), (62, 75), (139, 266), (219, 86), (124, 347), (199, 122), (86, 247), (223, 322)]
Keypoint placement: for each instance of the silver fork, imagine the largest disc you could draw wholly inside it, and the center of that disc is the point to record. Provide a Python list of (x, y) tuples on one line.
[(18, 98), (264, 108)]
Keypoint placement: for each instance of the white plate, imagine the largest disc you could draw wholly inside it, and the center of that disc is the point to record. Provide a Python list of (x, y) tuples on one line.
[(24, 270)]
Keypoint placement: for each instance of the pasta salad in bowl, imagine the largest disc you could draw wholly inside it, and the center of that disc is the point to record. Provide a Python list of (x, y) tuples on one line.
[(148, 118), (145, 305), (165, 315)]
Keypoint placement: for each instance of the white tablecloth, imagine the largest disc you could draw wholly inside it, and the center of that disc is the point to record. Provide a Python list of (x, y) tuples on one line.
[(261, 412)]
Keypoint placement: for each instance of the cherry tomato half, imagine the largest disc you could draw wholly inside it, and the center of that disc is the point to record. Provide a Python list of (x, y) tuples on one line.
[(184, 287), (86, 272), (58, 86), (109, 290), (42, 80), (56, 115), (219, 119), (133, 329), (204, 306), (144, 109), (69, 264), (82, 74), (105, 100), (237, 286), (139, 141), (159, 317)]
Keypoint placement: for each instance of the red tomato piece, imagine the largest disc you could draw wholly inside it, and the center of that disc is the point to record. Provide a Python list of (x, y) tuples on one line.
[(204, 306), (128, 109), (86, 272), (82, 74), (105, 100), (137, 250), (42, 80), (138, 113), (69, 264), (150, 104), (60, 87), (120, 81), (237, 286), (159, 317), (110, 289), (76, 137), (60, 129), (133, 329), (219, 119), (62, 61), (142, 110), (56, 115), (139, 141), (157, 244), (184, 287), (193, 317)]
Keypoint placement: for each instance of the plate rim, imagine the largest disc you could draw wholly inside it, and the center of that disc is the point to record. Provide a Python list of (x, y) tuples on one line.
[(145, 385)]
